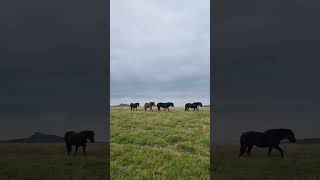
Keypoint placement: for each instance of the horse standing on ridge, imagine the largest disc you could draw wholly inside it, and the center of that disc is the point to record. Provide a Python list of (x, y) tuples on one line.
[(270, 139), (134, 106), (78, 139), (165, 105), (192, 105), (149, 105)]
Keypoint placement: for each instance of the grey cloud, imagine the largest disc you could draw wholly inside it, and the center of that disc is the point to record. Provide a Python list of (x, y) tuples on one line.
[(159, 50), (265, 66), (53, 67)]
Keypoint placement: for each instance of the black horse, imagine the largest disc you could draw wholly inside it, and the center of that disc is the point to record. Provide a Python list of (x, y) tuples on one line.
[(134, 106), (78, 139), (165, 106), (270, 139), (192, 105)]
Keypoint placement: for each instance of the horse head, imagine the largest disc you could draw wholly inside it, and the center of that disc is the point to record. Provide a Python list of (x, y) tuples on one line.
[(171, 104), (290, 136), (138, 104), (152, 103), (89, 135), (198, 104)]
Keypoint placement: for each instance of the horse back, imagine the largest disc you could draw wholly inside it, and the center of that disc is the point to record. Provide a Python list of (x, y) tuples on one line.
[(255, 138), (74, 138), (68, 134)]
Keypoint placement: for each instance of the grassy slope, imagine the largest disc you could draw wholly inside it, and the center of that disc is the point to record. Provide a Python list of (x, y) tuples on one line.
[(49, 161), (160, 145), (300, 162)]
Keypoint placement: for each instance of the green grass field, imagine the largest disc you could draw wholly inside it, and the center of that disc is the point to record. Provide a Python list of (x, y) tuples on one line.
[(301, 162), (50, 162), (160, 145)]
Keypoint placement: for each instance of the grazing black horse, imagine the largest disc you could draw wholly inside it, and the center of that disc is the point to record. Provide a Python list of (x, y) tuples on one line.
[(270, 139), (192, 105), (134, 106), (165, 106), (78, 139)]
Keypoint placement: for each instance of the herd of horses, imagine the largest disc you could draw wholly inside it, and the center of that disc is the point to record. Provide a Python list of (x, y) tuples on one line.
[(149, 105)]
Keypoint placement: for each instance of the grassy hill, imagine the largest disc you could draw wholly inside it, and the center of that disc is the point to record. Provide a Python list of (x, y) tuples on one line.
[(19, 161), (302, 161), (160, 145)]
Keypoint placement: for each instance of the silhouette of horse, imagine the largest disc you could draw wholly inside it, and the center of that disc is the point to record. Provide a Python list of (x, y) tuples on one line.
[(165, 105), (270, 139), (192, 105), (78, 139), (149, 105), (134, 106)]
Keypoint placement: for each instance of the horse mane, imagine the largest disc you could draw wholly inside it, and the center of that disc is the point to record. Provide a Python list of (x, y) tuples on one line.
[(87, 132), (198, 103)]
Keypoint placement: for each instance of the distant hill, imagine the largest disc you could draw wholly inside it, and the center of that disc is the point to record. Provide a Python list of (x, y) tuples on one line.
[(37, 138), (309, 141), (121, 105)]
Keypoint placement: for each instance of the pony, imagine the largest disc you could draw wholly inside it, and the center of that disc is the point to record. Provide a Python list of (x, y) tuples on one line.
[(149, 105), (134, 106), (268, 139), (165, 105), (78, 139), (192, 105)]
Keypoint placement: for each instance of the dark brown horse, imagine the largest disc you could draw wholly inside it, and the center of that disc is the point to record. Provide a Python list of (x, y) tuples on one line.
[(134, 106), (78, 139), (268, 139), (149, 105), (165, 105)]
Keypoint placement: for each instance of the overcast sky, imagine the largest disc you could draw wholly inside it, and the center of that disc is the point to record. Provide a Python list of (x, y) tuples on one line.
[(160, 51), (266, 67), (52, 67)]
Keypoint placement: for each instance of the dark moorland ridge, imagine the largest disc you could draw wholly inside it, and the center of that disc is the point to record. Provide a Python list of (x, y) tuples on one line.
[(37, 138), (40, 138), (121, 105), (309, 141)]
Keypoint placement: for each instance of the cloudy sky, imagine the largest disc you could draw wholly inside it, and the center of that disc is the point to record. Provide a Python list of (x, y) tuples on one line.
[(266, 67), (160, 51), (52, 68)]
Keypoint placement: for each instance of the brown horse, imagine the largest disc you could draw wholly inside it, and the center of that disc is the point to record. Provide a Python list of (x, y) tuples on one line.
[(149, 105)]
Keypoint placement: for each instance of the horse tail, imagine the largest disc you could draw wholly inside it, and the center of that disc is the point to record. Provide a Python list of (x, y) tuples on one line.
[(243, 144), (67, 135)]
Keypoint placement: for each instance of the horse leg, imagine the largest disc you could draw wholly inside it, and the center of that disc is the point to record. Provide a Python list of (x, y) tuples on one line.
[(243, 149), (168, 109), (280, 150), (75, 151), (249, 150), (69, 147), (197, 108), (84, 150), (269, 152)]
